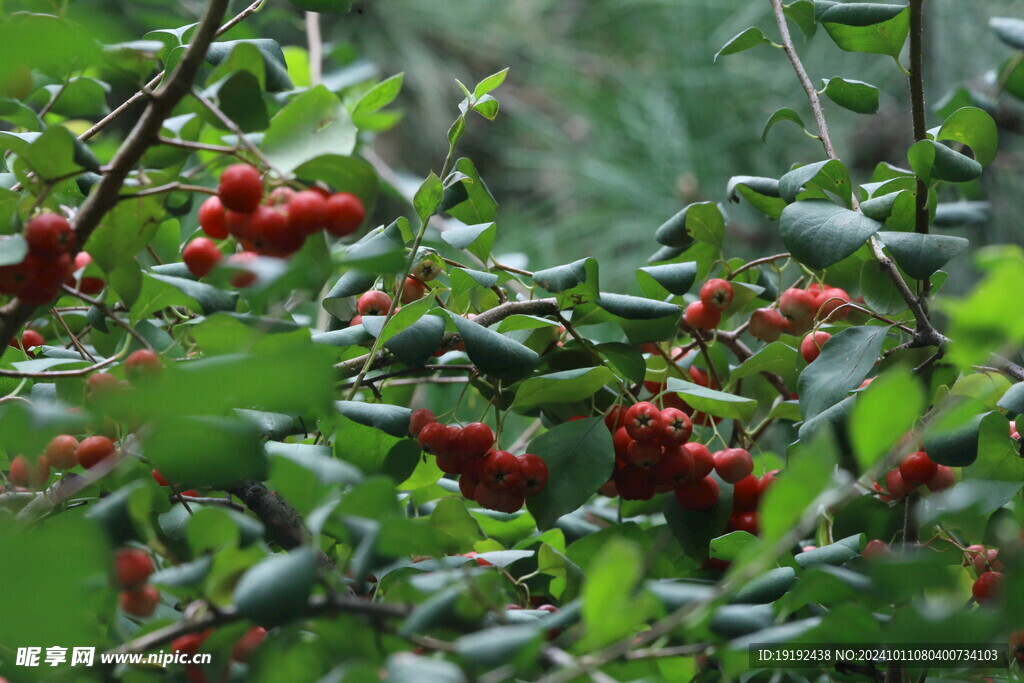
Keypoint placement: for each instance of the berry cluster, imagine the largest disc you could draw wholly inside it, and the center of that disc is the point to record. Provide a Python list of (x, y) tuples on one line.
[(495, 479), (916, 469), (276, 227), (715, 297), (48, 264), (242, 652), (798, 309), (132, 568), (377, 302), (989, 570)]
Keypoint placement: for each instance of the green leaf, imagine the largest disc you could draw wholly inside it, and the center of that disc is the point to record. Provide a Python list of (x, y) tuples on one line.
[(808, 473), (694, 529), (780, 115), (635, 307), (376, 98), (206, 451), (953, 441), (492, 647), (416, 344), (611, 610), (469, 200), (490, 83), (801, 13), (975, 128), (676, 278), (767, 587), (428, 197), (776, 357), (835, 554), (575, 282), (761, 193), (830, 175), (1013, 400), (867, 27), (393, 420), (922, 255), (278, 588), (745, 40), (476, 239), (580, 459), (820, 234), (310, 124), (54, 153), (712, 402), (933, 161), (857, 96), (883, 413), (13, 249), (487, 107), (561, 387), (1010, 30), (624, 359), (703, 222), (274, 64), (844, 362), (493, 353), (161, 291)]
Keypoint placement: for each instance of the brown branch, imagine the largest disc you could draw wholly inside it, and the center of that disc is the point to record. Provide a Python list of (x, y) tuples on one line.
[(105, 310), (81, 372), (917, 107), (283, 524), (758, 262)]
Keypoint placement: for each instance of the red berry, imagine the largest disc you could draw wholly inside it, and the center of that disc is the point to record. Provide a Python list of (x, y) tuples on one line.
[(875, 549), (467, 485), (746, 493), (987, 587), (29, 340), (699, 376), (477, 439), (917, 468), (102, 384), (810, 347), (702, 317), (743, 521), (158, 477), (620, 442), (132, 567), (500, 471), (798, 305), (60, 452), (643, 455), (373, 302), (238, 225), (716, 294), (675, 467), (141, 602), (986, 559), (432, 435), (241, 188), (766, 324), (895, 484), (43, 277), (677, 429), (244, 277), (247, 644), (212, 218), (307, 212), (634, 483), (201, 256), (701, 494), (767, 479), (943, 479), (89, 286), (534, 472), (49, 236), (701, 459), (500, 501), (644, 423), (733, 464), (830, 302), (190, 642), (420, 419), (345, 213), (271, 234), (412, 290), (615, 417), (25, 473), (282, 196), (142, 366), (93, 450)]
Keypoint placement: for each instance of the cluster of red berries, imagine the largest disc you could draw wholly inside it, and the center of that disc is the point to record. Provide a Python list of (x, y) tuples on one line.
[(715, 297), (798, 309), (916, 469), (132, 568), (48, 264), (377, 302), (242, 652), (672, 400), (495, 479), (277, 227), (989, 570)]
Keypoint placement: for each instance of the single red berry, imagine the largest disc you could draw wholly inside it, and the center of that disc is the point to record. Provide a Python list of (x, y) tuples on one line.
[(701, 317), (247, 644), (141, 602), (499, 501), (94, 450), (634, 483), (699, 376), (766, 324), (60, 452), (746, 493), (643, 455), (431, 436), (810, 347), (345, 213), (675, 467), (212, 219), (644, 423), (412, 290), (716, 294), (102, 384), (701, 459), (239, 225), (477, 439), (201, 256), (701, 494), (615, 417), (677, 429), (90, 286), (896, 485), (29, 340), (24, 473), (620, 442), (283, 195), (943, 479), (829, 304), (767, 479), (467, 486), (733, 464), (987, 587), (241, 188), (1014, 434), (917, 468), (43, 278), (190, 642), (798, 305), (49, 236), (242, 261), (534, 472), (500, 471), (986, 560), (307, 212), (743, 521), (132, 567), (373, 302), (875, 549), (420, 419), (142, 366), (272, 235), (158, 477)]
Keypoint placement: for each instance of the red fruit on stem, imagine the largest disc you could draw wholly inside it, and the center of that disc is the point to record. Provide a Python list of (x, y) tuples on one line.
[(634, 483), (798, 304), (271, 235), (746, 493), (412, 290), (675, 467), (239, 225), (677, 427), (373, 302), (420, 419), (201, 256), (895, 484), (699, 376), (190, 642), (431, 436), (987, 587), (534, 472), (643, 455), (875, 549), (49, 236), (141, 602), (702, 317), (25, 473), (60, 452), (90, 286), (620, 442), (241, 188), (743, 521), (810, 347), (701, 459), (94, 450), (643, 422), (247, 644), (615, 417), (212, 218), (830, 304), (766, 324), (29, 340), (132, 567), (733, 464), (716, 294), (500, 501), (701, 494), (307, 212), (345, 213), (158, 477), (500, 471), (943, 479), (467, 485), (477, 439), (917, 468), (142, 366)]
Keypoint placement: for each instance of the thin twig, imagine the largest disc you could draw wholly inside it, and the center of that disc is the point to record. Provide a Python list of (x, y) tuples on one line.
[(105, 310)]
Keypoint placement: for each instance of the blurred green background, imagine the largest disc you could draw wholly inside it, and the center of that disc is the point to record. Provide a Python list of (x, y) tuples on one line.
[(614, 115)]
